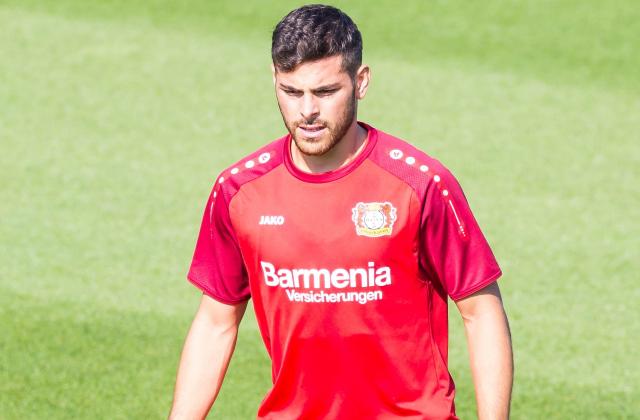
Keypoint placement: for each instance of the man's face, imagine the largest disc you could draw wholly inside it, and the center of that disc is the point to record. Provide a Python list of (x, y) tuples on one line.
[(318, 104)]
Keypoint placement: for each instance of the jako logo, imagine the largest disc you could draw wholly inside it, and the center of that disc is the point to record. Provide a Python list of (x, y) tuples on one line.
[(271, 220)]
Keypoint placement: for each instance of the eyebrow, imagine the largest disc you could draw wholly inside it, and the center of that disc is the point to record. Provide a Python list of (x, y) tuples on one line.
[(324, 88)]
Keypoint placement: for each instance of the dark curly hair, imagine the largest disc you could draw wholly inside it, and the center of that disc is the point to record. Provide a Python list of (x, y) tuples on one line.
[(313, 32)]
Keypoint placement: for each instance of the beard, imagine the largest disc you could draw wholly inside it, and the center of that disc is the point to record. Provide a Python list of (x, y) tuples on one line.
[(334, 131)]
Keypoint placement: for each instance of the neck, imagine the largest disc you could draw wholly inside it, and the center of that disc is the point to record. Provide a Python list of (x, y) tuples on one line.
[(340, 155)]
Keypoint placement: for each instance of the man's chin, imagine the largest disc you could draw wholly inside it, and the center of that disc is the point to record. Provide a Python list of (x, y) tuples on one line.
[(313, 147)]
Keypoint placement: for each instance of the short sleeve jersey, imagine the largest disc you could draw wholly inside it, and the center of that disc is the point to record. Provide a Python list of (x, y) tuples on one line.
[(349, 272)]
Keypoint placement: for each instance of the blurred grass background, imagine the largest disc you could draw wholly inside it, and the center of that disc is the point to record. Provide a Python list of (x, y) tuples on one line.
[(116, 116)]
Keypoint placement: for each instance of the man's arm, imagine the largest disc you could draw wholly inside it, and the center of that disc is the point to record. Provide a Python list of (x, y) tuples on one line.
[(490, 352), (205, 358)]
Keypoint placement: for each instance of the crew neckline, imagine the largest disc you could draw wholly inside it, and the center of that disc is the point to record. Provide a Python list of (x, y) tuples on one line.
[(371, 139)]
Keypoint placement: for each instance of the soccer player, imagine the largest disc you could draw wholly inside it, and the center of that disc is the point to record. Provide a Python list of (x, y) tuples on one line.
[(350, 242)]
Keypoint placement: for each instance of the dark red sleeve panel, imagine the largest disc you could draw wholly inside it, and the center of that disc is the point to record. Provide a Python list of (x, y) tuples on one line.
[(217, 267), (453, 249)]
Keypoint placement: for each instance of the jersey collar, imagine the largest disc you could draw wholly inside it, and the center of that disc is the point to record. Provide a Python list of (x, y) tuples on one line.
[(372, 137)]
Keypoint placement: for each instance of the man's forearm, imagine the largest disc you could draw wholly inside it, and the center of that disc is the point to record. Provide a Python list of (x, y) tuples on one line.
[(491, 359), (203, 364)]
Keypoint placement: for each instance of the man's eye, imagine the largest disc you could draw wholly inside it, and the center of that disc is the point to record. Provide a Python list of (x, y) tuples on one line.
[(292, 92), (326, 92)]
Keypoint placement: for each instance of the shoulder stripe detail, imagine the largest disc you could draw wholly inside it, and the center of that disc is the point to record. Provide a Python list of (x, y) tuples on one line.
[(418, 170), (249, 168)]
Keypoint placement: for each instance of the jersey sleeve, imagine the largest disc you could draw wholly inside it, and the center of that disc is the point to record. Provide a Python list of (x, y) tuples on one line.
[(453, 249), (217, 267)]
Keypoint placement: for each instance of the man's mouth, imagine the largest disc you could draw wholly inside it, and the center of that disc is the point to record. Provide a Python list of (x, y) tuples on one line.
[(312, 130)]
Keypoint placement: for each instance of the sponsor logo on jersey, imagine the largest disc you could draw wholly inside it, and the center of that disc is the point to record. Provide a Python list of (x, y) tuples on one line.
[(271, 220), (322, 278), (318, 285), (374, 219)]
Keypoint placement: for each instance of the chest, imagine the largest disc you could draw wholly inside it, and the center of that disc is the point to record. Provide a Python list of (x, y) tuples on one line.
[(352, 221)]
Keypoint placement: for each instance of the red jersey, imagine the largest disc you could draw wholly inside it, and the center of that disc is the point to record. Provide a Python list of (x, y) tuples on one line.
[(349, 272)]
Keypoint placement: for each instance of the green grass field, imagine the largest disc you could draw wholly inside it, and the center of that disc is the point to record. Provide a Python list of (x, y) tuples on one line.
[(116, 116)]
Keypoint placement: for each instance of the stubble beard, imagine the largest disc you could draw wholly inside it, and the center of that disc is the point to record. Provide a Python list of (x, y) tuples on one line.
[(335, 133)]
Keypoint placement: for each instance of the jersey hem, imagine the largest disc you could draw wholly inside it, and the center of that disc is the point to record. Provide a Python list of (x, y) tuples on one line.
[(214, 296), (477, 287)]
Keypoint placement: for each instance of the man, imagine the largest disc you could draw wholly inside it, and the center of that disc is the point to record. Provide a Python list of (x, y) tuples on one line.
[(349, 241)]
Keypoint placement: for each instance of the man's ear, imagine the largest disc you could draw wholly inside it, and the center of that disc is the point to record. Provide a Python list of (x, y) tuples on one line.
[(363, 77), (273, 73)]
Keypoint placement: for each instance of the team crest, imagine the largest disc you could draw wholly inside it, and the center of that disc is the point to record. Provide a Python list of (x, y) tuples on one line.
[(374, 219)]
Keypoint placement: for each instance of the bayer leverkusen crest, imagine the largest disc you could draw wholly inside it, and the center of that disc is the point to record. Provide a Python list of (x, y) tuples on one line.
[(374, 219)]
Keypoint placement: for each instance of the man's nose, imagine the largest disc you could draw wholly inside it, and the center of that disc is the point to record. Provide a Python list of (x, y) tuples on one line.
[(309, 109)]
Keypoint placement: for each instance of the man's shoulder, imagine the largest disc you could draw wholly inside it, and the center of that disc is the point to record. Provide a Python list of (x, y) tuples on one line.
[(407, 162), (250, 167), (265, 156)]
